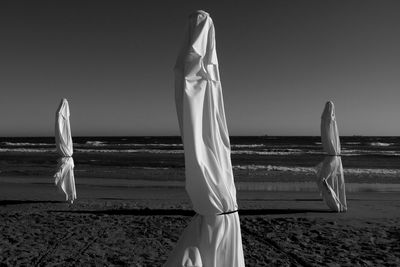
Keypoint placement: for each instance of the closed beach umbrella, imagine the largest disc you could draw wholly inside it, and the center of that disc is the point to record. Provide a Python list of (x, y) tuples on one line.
[(213, 237), (64, 178), (330, 178)]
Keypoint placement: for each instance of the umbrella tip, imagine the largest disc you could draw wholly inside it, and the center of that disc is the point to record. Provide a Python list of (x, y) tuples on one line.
[(199, 13), (329, 109), (329, 104)]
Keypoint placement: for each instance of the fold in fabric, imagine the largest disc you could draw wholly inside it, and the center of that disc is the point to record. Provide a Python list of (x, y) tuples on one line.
[(330, 178), (209, 178), (64, 178), (191, 257), (63, 130), (331, 183), (216, 238)]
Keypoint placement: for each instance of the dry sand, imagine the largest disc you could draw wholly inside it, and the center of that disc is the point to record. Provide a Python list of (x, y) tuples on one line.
[(138, 226)]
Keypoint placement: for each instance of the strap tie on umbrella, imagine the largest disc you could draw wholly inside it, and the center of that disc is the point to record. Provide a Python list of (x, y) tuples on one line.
[(228, 212)]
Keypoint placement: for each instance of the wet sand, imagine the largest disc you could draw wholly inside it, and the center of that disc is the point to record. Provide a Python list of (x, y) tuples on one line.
[(138, 225)]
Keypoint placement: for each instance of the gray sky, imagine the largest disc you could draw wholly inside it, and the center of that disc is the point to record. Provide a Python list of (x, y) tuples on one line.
[(280, 61)]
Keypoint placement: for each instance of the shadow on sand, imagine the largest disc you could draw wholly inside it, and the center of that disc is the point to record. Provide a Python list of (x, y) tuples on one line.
[(180, 212), (20, 202), (307, 199), (281, 199)]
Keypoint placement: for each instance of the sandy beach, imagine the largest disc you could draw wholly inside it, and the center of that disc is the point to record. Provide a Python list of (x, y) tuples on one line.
[(119, 225)]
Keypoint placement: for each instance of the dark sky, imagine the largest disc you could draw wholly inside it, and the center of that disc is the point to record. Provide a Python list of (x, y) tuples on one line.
[(280, 61)]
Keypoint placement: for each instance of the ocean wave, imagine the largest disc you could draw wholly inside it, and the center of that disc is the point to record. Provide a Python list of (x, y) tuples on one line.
[(312, 187), (152, 145), (247, 146), (363, 171), (352, 143), (177, 149), (112, 147), (354, 171), (274, 168), (26, 144), (358, 152), (27, 150), (90, 144), (153, 151), (95, 143), (90, 150), (81, 149), (139, 145), (152, 168), (380, 144), (270, 152)]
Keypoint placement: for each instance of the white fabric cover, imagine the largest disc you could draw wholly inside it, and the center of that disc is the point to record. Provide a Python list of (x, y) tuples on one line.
[(63, 130), (191, 257), (209, 177), (64, 178), (330, 178)]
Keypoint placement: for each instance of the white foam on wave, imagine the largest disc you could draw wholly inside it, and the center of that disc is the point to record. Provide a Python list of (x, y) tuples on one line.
[(153, 151), (105, 144), (95, 143), (152, 145), (27, 150), (146, 145), (380, 144), (247, 146), (364, 171), (274, 168), (355, 171), (358, 152), (312, 187), (271, 152), (100, 147), (153, 168), (26, 144)]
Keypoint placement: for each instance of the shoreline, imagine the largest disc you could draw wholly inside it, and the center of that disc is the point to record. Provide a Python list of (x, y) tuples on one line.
[(164, 196), (266, 186)]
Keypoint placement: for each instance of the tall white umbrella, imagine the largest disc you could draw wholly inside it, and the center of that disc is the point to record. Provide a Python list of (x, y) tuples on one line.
[(213, 237), (330, 178), (64, 178)]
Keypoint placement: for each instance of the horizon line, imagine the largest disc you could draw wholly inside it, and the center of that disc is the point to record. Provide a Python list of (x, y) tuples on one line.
[(81, 136)]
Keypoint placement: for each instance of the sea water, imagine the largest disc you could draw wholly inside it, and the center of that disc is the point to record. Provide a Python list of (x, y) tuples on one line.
[(255, 160)]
